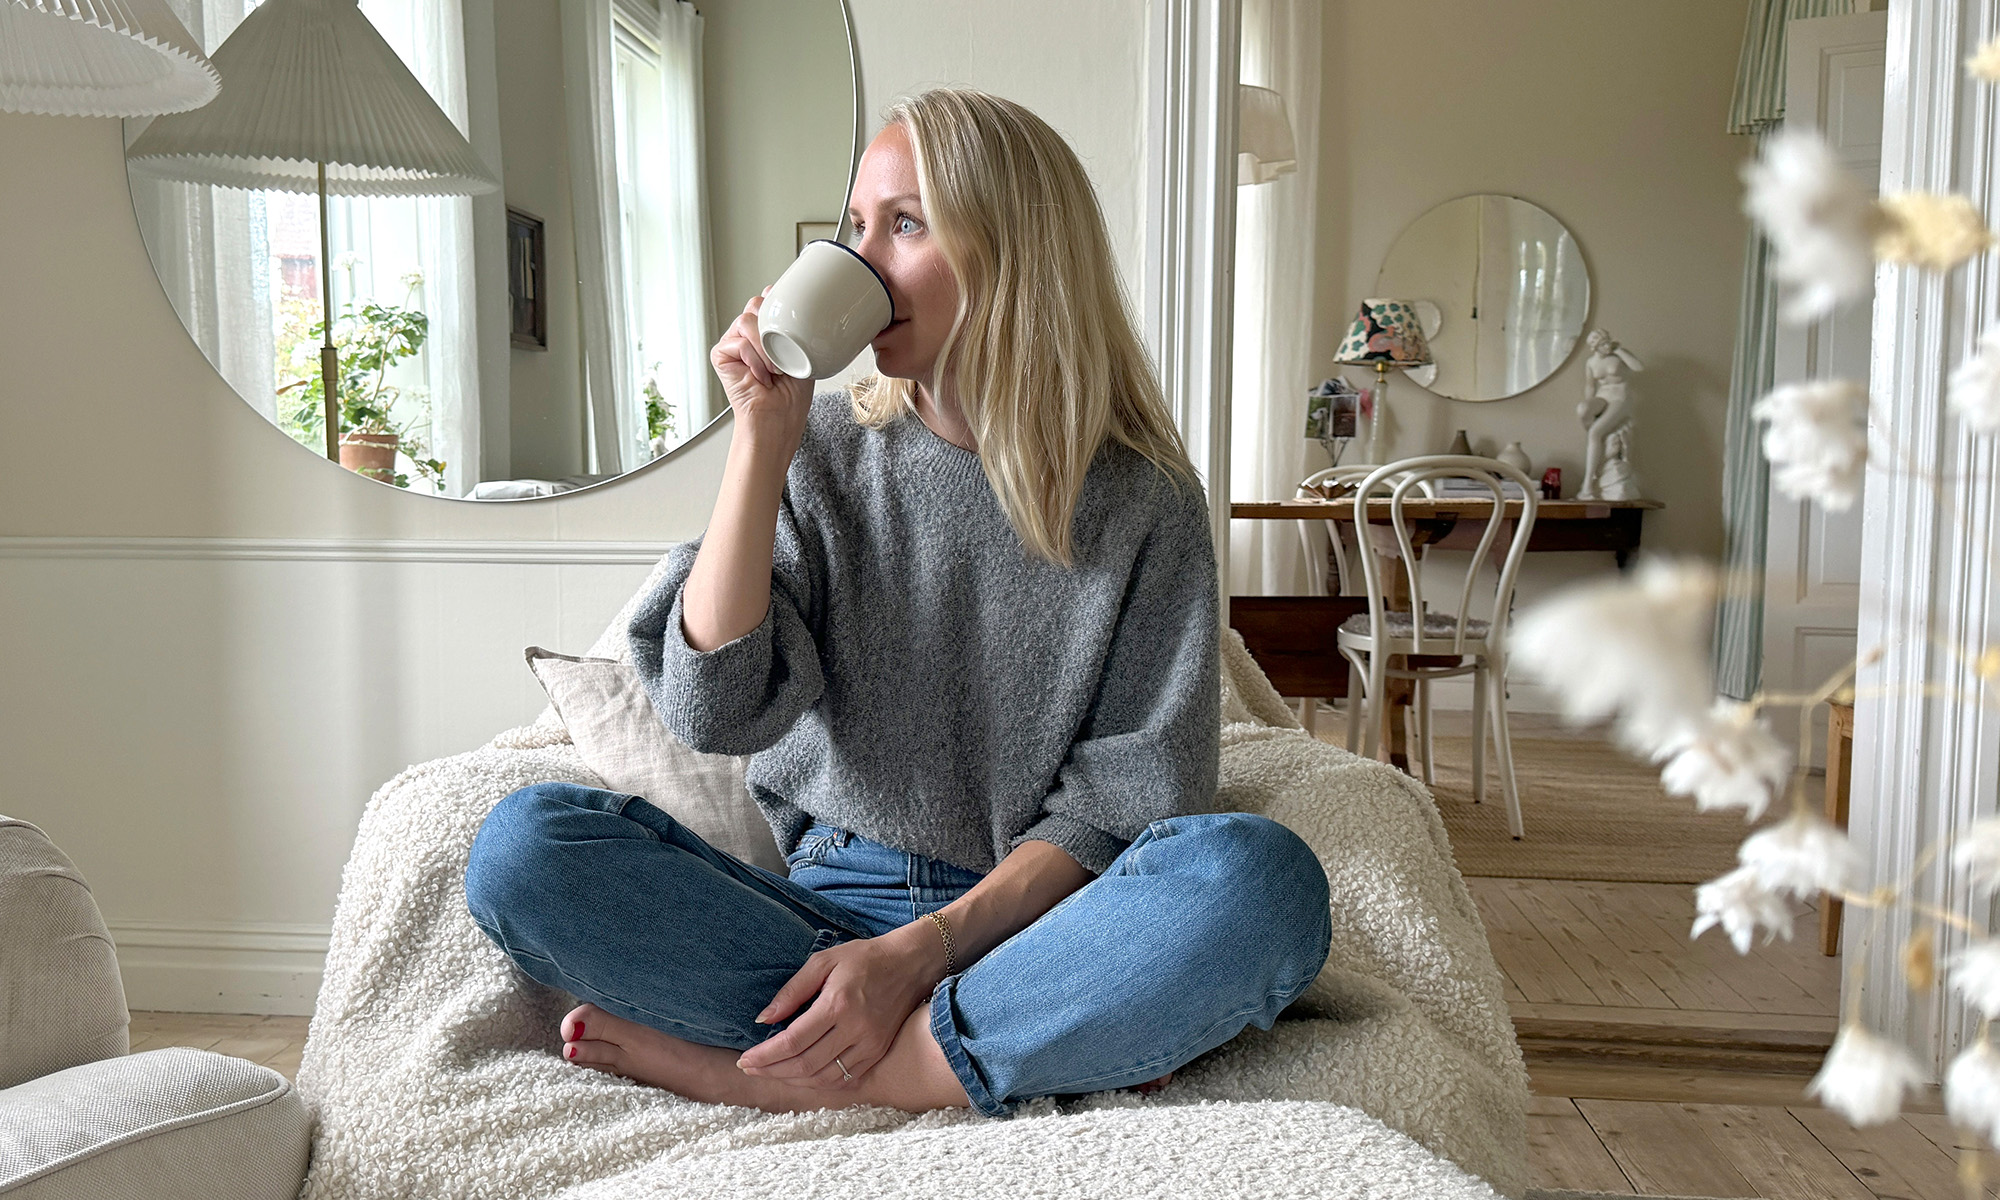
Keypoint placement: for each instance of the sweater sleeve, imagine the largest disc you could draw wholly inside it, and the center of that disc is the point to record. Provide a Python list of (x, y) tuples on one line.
[(1150, 747), (744, 695)]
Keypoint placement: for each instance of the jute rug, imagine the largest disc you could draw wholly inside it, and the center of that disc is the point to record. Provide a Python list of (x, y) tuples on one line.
[(1592, 812)]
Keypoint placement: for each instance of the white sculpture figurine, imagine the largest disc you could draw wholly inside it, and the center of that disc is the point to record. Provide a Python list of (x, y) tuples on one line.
[(1615, 479), (1606, 409)]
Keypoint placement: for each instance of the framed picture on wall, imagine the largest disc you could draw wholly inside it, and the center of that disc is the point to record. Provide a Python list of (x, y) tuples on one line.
[(525, 268), (815, 231)]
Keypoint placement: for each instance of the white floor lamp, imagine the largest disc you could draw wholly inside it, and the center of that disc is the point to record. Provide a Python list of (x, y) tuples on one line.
[(314, 100)]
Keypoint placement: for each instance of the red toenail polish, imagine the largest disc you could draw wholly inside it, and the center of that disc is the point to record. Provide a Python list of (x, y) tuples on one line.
[(579, 1029), (569, 1051)]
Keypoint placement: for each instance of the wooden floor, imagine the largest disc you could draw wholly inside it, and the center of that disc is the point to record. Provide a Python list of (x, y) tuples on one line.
[(1660, 1065), (1671, 1066)]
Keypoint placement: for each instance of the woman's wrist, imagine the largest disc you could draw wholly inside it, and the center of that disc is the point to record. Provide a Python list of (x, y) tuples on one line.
[(919, 939)]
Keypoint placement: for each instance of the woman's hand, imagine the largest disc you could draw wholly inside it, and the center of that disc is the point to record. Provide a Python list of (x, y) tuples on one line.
[(768, 402), (866, 990)]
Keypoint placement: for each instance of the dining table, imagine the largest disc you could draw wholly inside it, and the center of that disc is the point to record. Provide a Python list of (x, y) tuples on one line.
[(1295, 638)]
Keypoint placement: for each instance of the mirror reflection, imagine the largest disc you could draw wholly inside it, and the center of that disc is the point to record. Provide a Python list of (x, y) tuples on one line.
[(1502, 289), (555, 334)]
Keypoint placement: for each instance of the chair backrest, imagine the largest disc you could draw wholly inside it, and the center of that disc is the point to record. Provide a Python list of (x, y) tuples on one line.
[(1395, 482), (1330, 483)]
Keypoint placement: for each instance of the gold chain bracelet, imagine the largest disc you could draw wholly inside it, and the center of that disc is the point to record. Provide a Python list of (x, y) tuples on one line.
[(944, 931)]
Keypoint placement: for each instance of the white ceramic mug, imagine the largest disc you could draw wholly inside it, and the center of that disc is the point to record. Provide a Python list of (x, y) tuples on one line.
[(826, 306)]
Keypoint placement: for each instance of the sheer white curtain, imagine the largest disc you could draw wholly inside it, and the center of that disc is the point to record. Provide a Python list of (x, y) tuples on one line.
[(683, 332), (632, 89), (211, 248), (1274, 294), (589, 97), (433, 235), (429, 35)]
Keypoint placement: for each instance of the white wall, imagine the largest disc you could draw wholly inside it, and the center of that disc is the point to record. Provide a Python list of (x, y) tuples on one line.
[(1611, 118), (216, 645)]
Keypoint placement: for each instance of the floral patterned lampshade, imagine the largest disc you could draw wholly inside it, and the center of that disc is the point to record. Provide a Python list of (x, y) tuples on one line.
[(1386, 333)]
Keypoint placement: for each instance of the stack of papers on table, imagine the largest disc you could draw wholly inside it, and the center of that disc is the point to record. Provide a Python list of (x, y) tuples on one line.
[(1459, 489)]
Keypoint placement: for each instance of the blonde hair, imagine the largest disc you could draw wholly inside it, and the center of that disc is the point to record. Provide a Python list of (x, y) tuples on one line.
[(1042, 356)]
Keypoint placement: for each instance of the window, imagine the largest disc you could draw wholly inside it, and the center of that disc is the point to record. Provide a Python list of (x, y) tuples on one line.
[(662, 269)]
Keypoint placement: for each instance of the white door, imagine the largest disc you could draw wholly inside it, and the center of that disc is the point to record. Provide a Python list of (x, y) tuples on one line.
[(1813, 557)]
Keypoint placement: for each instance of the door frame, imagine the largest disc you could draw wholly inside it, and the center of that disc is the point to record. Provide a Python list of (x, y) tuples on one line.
[(1189, 290)]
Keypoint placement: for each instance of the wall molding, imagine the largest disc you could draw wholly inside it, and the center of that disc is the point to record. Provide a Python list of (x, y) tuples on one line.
[(221, 967), (409, 550)]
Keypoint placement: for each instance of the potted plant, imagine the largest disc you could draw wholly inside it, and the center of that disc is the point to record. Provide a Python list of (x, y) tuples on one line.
[(659, 414), (371, 340)]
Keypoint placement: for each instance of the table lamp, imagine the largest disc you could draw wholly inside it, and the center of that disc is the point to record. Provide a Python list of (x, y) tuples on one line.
[(1385, 333), (99, 58), (314, 99)]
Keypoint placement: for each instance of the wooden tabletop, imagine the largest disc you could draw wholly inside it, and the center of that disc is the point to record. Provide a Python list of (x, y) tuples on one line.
[(1479, 506)]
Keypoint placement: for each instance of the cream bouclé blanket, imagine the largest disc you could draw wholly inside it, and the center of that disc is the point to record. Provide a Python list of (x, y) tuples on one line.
[(432, 1062)]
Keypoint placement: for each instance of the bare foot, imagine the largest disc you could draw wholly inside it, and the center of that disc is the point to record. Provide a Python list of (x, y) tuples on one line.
[(596, 1039), (1155, 1085)]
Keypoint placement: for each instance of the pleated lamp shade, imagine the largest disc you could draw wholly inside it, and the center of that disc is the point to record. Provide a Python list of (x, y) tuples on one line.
[(1265, 148), (99, 58), (306, 82)]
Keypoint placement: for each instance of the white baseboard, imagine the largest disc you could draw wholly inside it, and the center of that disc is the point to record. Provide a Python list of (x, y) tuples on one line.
[(173, 967)]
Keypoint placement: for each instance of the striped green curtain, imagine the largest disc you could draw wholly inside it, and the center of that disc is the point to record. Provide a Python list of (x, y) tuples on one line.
[(1759, 102), (1739, 615), (1757, 108)]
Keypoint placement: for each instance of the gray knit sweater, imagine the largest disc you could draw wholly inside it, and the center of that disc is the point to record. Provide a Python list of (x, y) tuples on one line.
[(922, 681)]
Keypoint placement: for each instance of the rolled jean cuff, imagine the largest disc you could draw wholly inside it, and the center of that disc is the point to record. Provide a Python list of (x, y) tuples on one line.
[(945, 1032)]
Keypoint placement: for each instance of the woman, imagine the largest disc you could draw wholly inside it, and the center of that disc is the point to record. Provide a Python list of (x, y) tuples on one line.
[(965, 625)]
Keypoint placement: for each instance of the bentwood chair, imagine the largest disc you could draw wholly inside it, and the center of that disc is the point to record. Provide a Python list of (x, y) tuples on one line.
[(1477, 645), (1320, 537), (1332, 483)]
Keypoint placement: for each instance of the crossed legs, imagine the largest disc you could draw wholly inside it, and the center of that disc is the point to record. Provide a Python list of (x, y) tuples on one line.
[(1205, 924)]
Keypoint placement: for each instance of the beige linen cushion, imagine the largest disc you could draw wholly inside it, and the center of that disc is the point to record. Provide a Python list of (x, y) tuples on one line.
[(177, 1124), (61, 1000), (624, 743)]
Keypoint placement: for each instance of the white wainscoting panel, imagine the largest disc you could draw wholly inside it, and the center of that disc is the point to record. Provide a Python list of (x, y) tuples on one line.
[(199, 722)]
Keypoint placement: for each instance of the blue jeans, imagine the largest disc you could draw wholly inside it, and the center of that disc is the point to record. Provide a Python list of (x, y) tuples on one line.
[(1203, 925)]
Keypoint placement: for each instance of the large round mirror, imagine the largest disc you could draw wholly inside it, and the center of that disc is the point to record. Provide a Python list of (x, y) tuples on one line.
[(659, 164), (1502, 290)]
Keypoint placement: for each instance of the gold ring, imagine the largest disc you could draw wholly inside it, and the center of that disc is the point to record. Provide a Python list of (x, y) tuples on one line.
[(843, 1068)]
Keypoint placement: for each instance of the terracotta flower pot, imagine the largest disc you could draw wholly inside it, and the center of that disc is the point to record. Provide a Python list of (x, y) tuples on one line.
[(370, 454)]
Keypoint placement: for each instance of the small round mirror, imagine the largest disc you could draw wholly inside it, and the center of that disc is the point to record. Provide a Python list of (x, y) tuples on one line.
[(658, 166), (1503, 290)]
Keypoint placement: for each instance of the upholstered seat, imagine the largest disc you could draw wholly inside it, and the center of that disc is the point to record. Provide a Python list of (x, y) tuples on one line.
[(166, 1124), (1436, 625), (80, 1118)]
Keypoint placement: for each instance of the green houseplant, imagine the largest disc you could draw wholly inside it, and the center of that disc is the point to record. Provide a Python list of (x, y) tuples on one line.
[(372, 338)]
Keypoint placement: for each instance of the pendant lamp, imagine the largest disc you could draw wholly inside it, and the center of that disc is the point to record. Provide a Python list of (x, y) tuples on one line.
[(99, 58), (314, 100)]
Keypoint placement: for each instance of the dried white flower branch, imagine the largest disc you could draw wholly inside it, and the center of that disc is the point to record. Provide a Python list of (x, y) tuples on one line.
[(1634, 650)]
